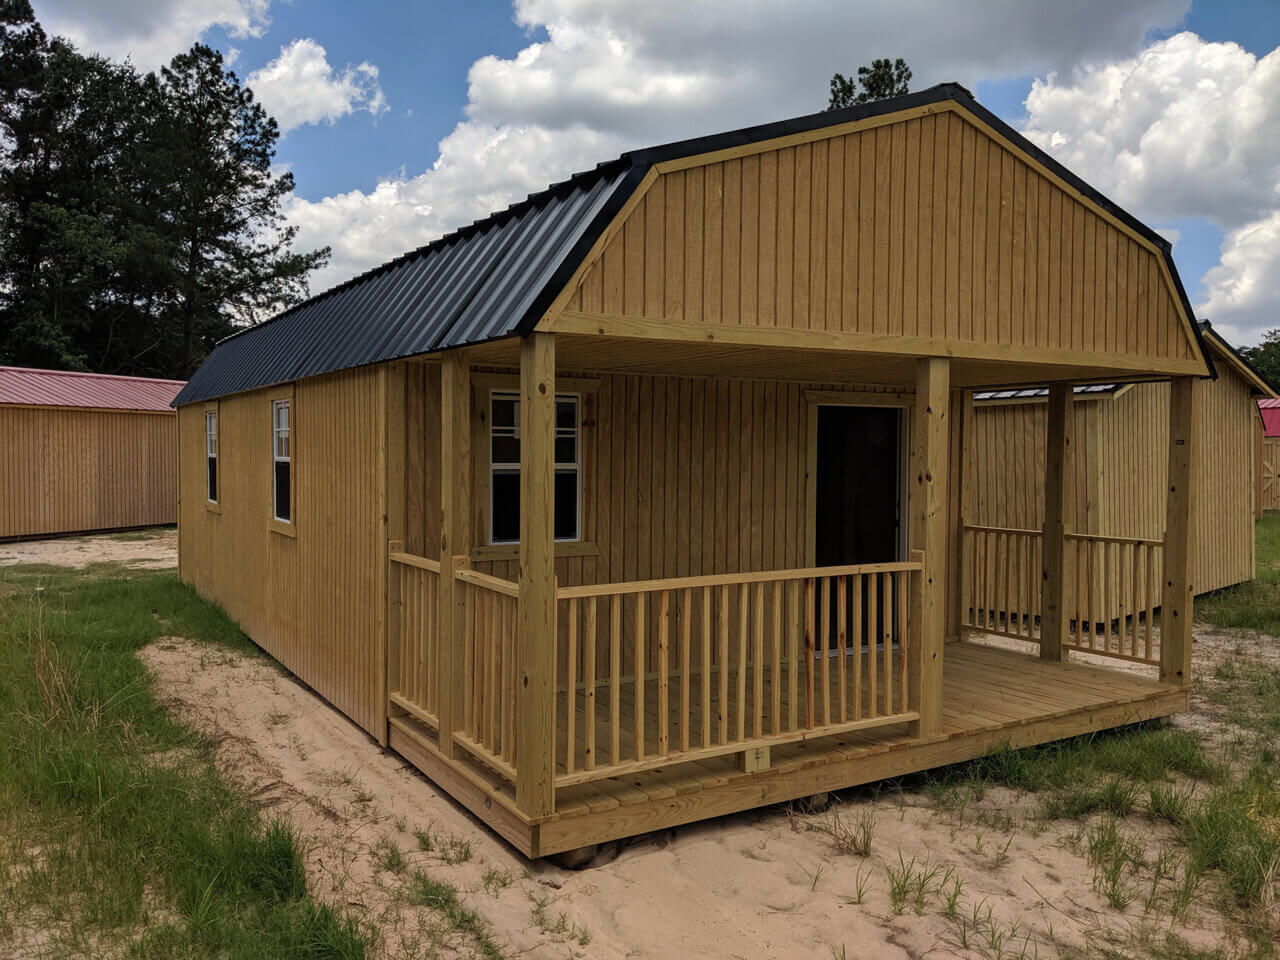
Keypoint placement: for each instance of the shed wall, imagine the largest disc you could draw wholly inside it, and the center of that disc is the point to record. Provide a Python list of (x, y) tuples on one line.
[(315, 601), (65, 470)]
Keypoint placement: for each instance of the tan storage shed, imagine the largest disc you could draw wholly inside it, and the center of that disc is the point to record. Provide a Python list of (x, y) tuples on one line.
[(82, 452)]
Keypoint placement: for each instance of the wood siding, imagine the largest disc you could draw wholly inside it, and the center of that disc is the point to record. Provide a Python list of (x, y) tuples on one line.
[(1126, 461), (926, 227), (66, 470), (1270, 473), (315, 600)]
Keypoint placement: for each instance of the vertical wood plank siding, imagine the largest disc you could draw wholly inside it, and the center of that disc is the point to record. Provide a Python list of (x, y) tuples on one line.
[(65, 470), (927, 227), (312, 600), (1007, 466)]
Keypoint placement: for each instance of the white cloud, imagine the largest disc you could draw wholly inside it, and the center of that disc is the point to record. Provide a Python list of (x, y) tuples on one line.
[(1185, 129), (300, 86), (614, 75), (149, 32)]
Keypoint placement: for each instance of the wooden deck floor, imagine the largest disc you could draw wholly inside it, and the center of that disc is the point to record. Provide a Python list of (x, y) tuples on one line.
[(991, 697)]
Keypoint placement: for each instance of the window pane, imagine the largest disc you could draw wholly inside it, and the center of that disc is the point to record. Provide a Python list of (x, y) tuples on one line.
[(566, 450), (566, 413), (213, 478), (505, 507), (282, 491), (505, 411), (506, 450), (566, 522)]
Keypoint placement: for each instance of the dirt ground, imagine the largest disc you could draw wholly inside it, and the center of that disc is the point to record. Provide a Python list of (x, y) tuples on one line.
[(765, 884), (154, 548)]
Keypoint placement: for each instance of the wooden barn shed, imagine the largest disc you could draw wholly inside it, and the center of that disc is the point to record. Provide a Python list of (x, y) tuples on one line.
[(638, 502), (82, 452), (1118, 468), (1269, 456)]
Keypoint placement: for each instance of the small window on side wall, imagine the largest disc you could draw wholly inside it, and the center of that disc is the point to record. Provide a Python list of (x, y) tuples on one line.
[(504, 466), (211, 454), (281, 461)]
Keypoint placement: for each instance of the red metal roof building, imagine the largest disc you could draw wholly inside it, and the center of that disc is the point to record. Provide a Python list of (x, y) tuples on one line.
[(1270, 410), (85, 451), (99, 391)]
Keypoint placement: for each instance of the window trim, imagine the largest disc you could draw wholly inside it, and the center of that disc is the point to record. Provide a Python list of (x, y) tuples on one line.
[(214, 504), (483, 383), (288, 527)]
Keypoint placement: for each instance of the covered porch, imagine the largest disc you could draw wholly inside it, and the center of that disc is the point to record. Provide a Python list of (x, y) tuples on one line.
[(568, 713)]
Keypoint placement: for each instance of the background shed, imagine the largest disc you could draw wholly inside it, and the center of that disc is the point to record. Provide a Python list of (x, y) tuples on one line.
[(1118, 463), (1269, 455), (85, 451)]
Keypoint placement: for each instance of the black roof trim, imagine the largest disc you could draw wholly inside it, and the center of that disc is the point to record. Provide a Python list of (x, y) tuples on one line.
[(1207, 329)]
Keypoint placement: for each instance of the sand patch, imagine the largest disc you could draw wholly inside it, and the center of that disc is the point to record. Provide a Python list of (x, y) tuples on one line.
[(763, 884), (149, 549)]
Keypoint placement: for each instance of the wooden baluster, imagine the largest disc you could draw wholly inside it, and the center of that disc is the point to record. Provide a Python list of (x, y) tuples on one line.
[(886, 625), (664, 672), (743, 621), (706, 666), (903, 634), (808, 650), (686, 626), (639, 671), (1079, 600), (824, 638), (873, 634), (988, 577), (1147, 600), (855, 586), (495, 658), (842, 643), (775, 679), (571, 687), (508, 615), (757, 667), (615, 678), (468, 663), (722, 708), (793, 655), (589, 677)]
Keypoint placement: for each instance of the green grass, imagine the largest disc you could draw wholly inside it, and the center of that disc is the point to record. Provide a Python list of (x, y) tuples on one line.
[(1254, 605), (115, 828), (427, 891)]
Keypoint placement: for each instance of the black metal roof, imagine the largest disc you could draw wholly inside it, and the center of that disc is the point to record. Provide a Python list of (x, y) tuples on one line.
[(496, 277)]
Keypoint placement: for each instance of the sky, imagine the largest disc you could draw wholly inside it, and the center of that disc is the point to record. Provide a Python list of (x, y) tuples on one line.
[(402, 121)]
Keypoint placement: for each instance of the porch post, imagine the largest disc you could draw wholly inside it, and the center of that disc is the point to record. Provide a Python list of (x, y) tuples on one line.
[(928, 528), (455, 539), (1176, 601), (535, 709), (1053, 553)]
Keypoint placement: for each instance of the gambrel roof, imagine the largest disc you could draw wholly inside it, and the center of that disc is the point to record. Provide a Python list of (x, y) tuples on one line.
[(498, 276)]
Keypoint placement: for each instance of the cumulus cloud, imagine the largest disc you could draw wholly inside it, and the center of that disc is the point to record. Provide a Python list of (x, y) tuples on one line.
[(1186, 128), (300, 87), (613, 76), (149, 32)]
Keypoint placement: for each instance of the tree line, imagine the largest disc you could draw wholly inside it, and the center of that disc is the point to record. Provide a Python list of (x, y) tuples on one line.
[(140, 216)]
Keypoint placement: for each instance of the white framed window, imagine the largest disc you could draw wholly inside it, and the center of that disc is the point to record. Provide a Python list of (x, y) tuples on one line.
[(281, 461), (211, 454), (504, 467)]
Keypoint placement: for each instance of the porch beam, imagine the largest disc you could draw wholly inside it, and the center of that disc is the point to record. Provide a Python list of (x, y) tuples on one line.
[(455, 540), (1176, 600), (535, 708), (928, 529), (1053, 554)]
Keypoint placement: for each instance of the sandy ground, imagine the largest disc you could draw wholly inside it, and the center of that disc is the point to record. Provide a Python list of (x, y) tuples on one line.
[(155, 548), (766, 884)]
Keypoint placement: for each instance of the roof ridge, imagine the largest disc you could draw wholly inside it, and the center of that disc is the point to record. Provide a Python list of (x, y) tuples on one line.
[(45, 371)]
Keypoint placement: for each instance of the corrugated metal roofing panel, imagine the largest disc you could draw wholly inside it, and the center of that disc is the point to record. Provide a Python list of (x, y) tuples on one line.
[(62, 388), (469, 287), (1025, 393)]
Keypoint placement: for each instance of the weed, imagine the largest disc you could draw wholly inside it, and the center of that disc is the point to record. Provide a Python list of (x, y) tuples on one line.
[(848, 836), (815, 875), (559, 929), (1168, 802), (425, 840), (426, 891), (495, 881), (455, 850), (387, 856)]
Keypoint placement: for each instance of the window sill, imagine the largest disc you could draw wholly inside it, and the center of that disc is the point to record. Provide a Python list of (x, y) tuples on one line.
[(284, 529), (213, 506), (511, 551)]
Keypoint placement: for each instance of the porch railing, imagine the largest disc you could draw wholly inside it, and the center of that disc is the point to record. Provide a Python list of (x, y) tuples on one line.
[(667, 671), (490, 663), (1111, 587), (414, 584)]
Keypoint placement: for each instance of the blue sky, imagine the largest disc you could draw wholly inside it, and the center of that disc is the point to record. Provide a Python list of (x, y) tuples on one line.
[(403, 120)]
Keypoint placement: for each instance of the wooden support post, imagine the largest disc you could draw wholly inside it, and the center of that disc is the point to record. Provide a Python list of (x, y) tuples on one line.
[(1176, 600), (455, 541), (535, 711), (393, 445), (958, 512), (928, 530), (1053, 618)]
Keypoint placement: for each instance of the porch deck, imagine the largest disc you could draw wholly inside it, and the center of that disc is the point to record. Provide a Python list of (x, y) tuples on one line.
[(990, 697)]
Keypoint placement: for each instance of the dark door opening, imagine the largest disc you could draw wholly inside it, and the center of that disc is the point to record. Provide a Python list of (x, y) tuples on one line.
[(857, 509)]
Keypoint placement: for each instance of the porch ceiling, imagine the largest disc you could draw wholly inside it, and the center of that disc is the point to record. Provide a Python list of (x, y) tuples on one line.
[(802, 364)]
